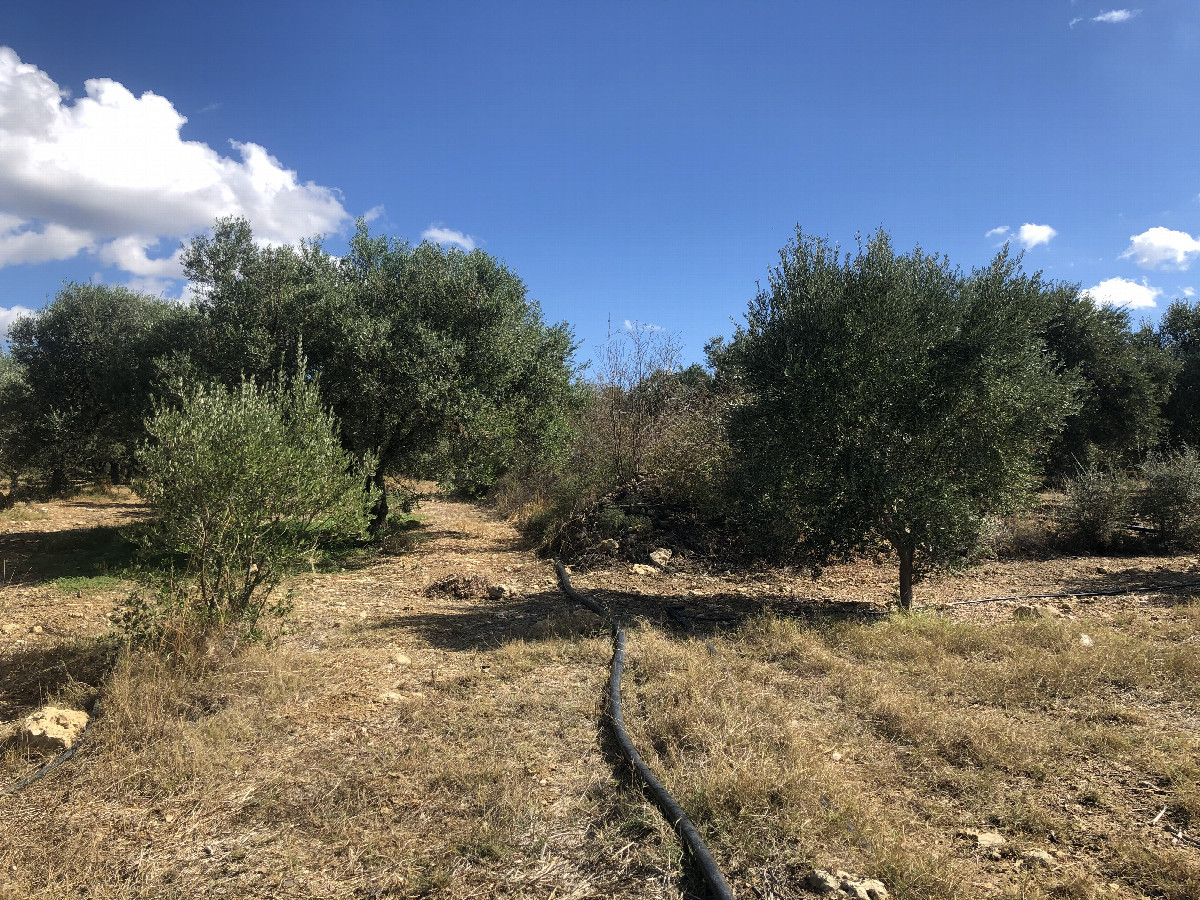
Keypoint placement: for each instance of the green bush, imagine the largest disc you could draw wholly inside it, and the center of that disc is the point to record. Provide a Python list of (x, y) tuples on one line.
[(1171, 499), (248, 483), (1099, 503)]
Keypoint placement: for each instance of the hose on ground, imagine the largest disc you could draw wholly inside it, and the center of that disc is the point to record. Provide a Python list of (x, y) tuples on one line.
[(667, 804)]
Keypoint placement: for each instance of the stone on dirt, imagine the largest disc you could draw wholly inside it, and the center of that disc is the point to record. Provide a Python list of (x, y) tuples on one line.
[(51, 728), (643, 569), (1036, 611), (1037, 858), (661, 557), (503, 592), (843, 884), (609, 546)]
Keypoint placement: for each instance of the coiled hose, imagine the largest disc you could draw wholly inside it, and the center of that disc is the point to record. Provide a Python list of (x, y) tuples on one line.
[(663, 800)]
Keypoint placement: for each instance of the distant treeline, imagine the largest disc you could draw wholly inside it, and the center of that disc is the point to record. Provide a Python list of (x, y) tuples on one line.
[(436, 362), (868, 396)]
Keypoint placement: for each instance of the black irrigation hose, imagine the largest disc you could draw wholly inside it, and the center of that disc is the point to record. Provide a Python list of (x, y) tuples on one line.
[(58, 760), (670, 809), (1153, 589)]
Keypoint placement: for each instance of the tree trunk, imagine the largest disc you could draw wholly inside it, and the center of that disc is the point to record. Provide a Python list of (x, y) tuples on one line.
[(906, 574), (379, 512), (114, 467)]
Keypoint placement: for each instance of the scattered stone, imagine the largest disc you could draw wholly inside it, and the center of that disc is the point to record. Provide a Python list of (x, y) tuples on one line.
[(503, 592), (989, 840), (8, 627), (1037, 858), (661, 557), (390, 697), (51, 728), (822, 882), (836, 756), (401, 660), (609, 546), (37, 629), (1087, 640), (643, 569)]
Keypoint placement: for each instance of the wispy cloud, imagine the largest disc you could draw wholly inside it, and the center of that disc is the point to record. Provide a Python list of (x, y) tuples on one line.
[(1116, 15), (1031, 235), (109, 173), (1188, 292), (373, 213), (1123, 292), (634, 325), (1162, 248), (996, 232), (1075, 21), (440, 235), (212, 107)]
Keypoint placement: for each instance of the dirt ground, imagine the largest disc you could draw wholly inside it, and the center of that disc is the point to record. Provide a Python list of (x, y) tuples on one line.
[(410, 735)]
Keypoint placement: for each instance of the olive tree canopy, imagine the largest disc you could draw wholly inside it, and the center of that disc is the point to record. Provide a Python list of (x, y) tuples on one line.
[(891, 397)]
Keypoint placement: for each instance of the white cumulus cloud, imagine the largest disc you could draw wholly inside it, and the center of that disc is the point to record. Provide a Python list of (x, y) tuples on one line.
[(8, 315), (440, 235), (1116, 15), (1123, 292), (996, 232), (1031, 235), (1162, 248), (1188, 292), (110, 173)]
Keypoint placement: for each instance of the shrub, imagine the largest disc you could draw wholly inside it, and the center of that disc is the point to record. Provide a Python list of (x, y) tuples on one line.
[(1171, 499), (1098, 504), (248, 483)]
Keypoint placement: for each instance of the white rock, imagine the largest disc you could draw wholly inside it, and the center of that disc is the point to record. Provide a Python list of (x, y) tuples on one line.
[(1087, 640), (643, 569), (661, 557), (1037, 858), (401, 660), (51, 728), (503, 592)]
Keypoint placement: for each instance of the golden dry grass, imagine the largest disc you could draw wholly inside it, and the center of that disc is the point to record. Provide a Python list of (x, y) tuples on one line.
[(403, 742)]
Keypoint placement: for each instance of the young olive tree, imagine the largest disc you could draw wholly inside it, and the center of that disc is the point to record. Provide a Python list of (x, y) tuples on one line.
[(890, 397), (247, 482)]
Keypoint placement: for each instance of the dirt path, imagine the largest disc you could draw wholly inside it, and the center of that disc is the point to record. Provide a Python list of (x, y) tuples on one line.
[(405, 739)]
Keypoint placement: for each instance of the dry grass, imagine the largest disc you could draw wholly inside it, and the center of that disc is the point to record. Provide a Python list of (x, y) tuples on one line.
[(872, 747), (403, 741)]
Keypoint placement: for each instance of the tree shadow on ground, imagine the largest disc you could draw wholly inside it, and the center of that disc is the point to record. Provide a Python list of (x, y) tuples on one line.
[(33, 674), (40, 556), (481, 624), (1155, 585)]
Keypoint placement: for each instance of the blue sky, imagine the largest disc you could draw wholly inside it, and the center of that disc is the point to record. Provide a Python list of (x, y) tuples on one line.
[(640, 161)]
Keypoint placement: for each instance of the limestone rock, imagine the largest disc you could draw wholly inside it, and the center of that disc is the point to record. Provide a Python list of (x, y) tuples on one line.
[(661, 557), (401, 660), (989, 840), (821, 882), (1037, 858), (51, 728), (1036, 611), (503, 592), (609, 546), (643, 569)]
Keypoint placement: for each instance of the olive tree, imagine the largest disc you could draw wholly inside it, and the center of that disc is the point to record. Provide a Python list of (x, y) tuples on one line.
[(90, 370), (890, 397), (247, 482)]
